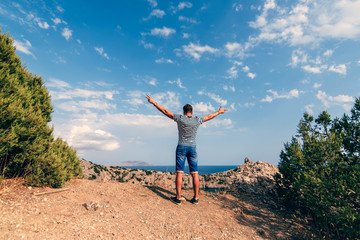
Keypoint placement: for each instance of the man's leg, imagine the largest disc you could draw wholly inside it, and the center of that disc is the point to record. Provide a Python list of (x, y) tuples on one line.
[(180, 165), (196, 184), (193, 165), (179, 180)]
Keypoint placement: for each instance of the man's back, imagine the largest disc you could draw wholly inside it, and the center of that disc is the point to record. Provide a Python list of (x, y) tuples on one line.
[(187, 127)]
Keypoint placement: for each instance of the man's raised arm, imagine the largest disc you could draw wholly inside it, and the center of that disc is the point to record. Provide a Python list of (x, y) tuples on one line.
[(212, 115), (160, 108)]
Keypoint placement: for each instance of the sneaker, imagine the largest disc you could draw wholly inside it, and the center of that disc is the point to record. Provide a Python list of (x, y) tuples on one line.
[(175, 200), (194, 200)]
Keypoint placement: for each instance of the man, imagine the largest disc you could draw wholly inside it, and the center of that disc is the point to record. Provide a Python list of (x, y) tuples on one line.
[(186, 149)]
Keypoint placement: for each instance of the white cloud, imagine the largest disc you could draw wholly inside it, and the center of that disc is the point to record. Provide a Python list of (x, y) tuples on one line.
[(186, 35), (187, 19), (298, 56), (152, 81), (155, 13), (251, 75), (214, 97), (100, 50), (163, 60), (308, 109), (249, 104), (153, 3), (339, 100), (341, 69), (104, 69), (43, 25), (227, 88), (60, 9), (170, 100), (162, 32), (66, 33), (86, 106), (100, 132), (183, 5), (235, 49), (146, 45), (275, 95), (246, 69), (127, 119), (56, 21), (196, 51), (136, 98), (177, 82), (328, 53), (23, 47), (226, 123), (233, 71), (60, 60), (311, 69), (237, 6), (67, 94), (203, 107), (83, 128), (56, 83), (85, 136), (308, 21), (317, 85)]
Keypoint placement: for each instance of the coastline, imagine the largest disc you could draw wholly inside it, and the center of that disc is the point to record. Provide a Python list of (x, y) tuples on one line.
[(203, 169)]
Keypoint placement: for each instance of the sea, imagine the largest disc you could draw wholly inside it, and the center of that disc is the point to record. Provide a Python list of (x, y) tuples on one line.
[(205, 169)]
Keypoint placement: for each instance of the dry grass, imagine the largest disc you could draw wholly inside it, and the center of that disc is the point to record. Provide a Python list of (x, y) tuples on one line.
[(10, 184)]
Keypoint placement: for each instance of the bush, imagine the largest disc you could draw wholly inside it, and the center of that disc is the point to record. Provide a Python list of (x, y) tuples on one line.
[(27, 146), (320, 172)]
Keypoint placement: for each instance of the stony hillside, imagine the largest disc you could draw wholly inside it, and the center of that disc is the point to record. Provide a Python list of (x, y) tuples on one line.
[(250, 177)]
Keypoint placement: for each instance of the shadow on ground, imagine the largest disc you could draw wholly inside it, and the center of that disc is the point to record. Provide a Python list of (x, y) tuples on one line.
[(160, 192), (270, 220)]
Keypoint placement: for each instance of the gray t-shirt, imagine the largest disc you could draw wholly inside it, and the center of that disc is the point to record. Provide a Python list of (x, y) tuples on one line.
[(187, 127)]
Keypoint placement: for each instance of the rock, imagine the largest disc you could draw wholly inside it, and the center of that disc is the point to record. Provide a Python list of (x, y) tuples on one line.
[(247, 161), (91, 205)]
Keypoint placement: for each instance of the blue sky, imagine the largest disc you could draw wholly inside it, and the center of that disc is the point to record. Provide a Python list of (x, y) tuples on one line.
[(268, 62)]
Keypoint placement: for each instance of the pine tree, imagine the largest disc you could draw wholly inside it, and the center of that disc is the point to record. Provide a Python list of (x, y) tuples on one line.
[(320, 172), (27, 145)]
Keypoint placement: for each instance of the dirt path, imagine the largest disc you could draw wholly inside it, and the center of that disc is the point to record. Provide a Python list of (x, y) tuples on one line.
[(110, 210)]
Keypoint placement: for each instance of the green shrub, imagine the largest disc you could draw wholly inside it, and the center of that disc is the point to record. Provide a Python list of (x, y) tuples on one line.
[(320, 172), (96, 170), (92, 177), (27, 145)]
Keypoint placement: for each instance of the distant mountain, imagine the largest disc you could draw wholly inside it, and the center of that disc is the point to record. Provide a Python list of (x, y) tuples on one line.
[(132, 163)]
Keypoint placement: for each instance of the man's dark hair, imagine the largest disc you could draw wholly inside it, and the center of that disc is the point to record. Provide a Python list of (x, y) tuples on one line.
[(187, 109)]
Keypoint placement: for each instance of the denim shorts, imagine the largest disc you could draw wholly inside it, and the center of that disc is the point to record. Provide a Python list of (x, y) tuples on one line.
[(189, 153)]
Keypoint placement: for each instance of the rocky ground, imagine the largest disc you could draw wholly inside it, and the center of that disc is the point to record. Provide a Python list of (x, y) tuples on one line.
[(88, 209)]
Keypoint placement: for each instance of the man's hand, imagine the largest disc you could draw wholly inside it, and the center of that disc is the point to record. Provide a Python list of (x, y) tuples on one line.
[(150, 100), (222, 110), (160, 108), (212, 115)]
